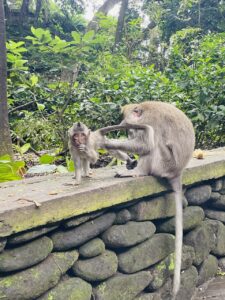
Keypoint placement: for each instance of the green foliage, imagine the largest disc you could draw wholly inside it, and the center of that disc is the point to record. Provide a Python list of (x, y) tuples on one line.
[(9, 169)]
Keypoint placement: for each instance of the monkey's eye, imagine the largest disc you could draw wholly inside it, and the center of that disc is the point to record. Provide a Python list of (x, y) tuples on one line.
[(137, 111), (83, 134)]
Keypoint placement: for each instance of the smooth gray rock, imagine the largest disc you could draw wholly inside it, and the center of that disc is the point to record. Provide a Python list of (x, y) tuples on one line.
[(221, 264), (156, 208), (123, 216), (2, 243), (219, 203), (219, 231), (214, 196), (198, 195), (192, 217), (29, 235), (148, 296), (122, 286), (25, 256), (73, 222), (189, 280), (215, 215), (217, 185), (208, 269), (132, 233), (98, 268), (92, 248), (33, 282), (202, 239), (147, 253), (69, 289), (63, 240), (41, 170), (165, 268)]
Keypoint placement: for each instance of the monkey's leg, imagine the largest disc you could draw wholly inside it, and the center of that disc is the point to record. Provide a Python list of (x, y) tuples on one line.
[(78, 170), (86, 168), (177, 187)]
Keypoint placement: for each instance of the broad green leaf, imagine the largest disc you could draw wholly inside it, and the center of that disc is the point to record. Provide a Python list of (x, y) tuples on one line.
[(25, 148), (88, 36), (46, 159), (76, 36), (40, 106), (70, 165), (34, 80)]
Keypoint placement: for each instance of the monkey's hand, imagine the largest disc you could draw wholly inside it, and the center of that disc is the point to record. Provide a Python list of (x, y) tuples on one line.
[(82, 148)]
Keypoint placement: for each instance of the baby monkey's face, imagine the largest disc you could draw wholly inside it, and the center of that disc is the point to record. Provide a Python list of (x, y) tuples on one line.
[(79, 138)]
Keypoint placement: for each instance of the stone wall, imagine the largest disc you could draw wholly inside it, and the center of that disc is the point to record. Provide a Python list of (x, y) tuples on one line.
[(123, 252)]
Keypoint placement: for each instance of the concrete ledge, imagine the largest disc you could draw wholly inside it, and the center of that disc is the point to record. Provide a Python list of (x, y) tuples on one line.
[(60, 200)]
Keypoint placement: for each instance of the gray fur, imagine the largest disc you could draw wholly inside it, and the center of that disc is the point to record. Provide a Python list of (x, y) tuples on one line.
[(164, 147)]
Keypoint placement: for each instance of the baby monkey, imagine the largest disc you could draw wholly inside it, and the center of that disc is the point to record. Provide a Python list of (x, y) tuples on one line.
[(83, 145)]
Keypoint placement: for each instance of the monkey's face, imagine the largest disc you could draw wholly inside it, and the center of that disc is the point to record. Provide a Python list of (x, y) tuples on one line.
[(79, 134), (132, 113), (79, 138)]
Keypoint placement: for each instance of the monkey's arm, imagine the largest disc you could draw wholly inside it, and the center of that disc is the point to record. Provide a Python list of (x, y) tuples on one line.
[(91, 154), (121, 126), (142, 144)]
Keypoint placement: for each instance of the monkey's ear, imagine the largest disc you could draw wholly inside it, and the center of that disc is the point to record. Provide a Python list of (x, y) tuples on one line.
[(89, 132)]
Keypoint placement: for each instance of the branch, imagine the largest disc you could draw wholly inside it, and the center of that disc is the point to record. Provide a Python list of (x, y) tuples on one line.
[(21, 106)]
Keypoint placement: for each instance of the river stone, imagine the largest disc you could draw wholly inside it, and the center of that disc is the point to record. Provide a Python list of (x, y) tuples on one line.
[(208, 269), (192, 217), (156, 208), (221, 263), (217, 185), (63, 240), (165, 268), (147, 253), (2, 243), (73, 222), (165, 292), (122, 286), (33, 282), (123, 216), (98, 268), (215, 215), (148, 296), (202, 239), (219, 203), (29, 235), (132, 233), (92, 248), (198, 195), (214, 197), (25, 256), (69, 289), (189, 280), (219, 231)]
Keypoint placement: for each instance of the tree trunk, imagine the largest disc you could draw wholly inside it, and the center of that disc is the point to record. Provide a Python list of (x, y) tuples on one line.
[(105, 8), (38, 10), (24, 11), (120, 23), (5, 138)]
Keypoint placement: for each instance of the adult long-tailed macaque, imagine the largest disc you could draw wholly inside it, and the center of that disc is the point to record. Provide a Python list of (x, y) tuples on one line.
[(83, 145), (164, 149)]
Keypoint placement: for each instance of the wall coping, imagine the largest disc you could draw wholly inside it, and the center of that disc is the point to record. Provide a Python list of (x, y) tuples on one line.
[(59, 199)]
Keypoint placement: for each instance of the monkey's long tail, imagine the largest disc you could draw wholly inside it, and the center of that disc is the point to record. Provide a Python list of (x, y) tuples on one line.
[(178, 241)]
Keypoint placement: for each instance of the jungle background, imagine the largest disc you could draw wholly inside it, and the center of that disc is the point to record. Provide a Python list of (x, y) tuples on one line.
[(73, 60)]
